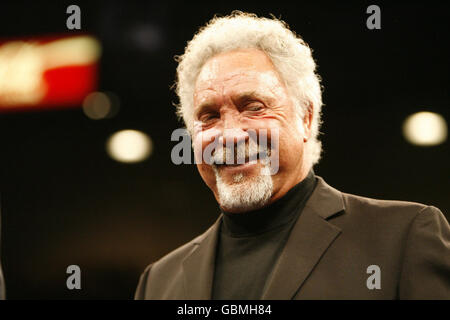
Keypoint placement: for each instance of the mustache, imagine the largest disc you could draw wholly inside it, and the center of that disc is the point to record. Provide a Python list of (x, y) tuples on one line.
[(240, 153)]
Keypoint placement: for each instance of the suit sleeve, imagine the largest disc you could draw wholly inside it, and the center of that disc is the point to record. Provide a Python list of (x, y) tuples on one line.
[(426, 262), (142, 285)]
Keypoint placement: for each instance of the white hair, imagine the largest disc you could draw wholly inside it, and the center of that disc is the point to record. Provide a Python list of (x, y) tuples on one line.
[(288, 52), (245, 193)]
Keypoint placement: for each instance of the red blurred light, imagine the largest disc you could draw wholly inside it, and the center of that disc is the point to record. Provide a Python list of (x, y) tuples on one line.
[(41, 74)]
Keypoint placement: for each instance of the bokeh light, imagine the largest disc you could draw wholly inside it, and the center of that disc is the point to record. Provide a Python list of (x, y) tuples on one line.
[(129, 146), (100, 105), (37, 72), (425, 129)]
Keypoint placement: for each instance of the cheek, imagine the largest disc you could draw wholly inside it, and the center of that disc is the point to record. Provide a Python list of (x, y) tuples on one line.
[(290, 148), (202, 140), (207, 174), (198, 150)]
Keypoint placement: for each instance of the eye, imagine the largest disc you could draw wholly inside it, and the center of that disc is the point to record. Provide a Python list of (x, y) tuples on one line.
[(254, 106), (208, 117)]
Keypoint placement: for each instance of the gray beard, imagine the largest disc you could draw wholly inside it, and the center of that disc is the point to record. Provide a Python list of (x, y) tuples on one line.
[(245, 194)]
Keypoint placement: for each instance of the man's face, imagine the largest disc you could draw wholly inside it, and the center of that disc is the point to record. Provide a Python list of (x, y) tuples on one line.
[(236, 93)]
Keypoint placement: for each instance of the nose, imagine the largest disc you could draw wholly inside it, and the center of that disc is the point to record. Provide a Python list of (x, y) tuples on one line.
[(233, 136), (233, 133)]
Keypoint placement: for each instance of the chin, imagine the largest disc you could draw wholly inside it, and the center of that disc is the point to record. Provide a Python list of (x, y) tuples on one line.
[(239, 191)]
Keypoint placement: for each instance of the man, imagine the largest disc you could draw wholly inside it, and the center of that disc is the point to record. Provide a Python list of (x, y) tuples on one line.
[(283, 232)]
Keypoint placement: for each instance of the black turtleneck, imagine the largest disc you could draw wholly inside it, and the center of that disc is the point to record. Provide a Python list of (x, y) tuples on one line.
[(250, 243)]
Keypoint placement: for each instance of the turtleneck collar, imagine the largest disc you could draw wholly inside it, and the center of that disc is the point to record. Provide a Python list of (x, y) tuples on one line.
[(274, 216)]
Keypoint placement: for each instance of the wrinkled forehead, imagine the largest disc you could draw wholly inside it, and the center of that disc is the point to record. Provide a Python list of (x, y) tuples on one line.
[(236, 80), (237, 67), (242, 58)]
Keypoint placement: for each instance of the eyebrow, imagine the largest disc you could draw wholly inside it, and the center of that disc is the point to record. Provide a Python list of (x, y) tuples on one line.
[(247, 95), (250, 95), (237, 99), (204, 107)]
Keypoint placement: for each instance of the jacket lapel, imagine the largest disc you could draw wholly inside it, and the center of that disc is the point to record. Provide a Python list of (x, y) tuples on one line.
[(309, 239), (198, 267)]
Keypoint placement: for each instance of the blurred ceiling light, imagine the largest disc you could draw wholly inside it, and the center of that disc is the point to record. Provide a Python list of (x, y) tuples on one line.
[(41, 72), (78, 50), (147, 37), (425, 129), (21, 70), (100, 105), (129, 146)]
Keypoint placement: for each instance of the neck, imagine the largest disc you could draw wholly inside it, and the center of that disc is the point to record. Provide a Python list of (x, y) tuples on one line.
[(289, 183)]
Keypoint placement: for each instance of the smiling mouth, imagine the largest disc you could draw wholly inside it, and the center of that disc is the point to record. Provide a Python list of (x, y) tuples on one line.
[(247, 161), (236, 168), (236, 165)]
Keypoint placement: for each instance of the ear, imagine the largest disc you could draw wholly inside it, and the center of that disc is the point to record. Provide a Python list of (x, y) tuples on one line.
[(307, 121)]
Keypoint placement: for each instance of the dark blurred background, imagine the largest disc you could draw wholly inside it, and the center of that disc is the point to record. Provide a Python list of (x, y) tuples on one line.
[(65, 201)]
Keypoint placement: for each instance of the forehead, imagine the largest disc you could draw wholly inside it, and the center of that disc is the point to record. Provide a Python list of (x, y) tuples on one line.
[(239, 68)]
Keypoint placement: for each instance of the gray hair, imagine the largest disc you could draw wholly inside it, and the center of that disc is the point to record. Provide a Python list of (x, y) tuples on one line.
[(288, 52)]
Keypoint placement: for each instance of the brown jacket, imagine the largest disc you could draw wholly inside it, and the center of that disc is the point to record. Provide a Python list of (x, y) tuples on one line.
[(334, 241)]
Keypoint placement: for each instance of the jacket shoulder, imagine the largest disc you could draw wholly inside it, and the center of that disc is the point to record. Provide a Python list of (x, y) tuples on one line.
[(372, 206), (177, 255), (166, 272), (174, 258)]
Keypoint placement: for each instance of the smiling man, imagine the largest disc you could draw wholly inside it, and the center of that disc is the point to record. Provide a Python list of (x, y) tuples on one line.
[(248, 87), (236, 92)]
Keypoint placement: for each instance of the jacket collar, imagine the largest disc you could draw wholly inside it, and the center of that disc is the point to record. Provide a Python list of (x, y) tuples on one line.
[(309, 239)]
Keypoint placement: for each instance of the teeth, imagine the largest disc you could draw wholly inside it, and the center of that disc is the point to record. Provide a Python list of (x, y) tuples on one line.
[(237, 160), (240, 154)]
